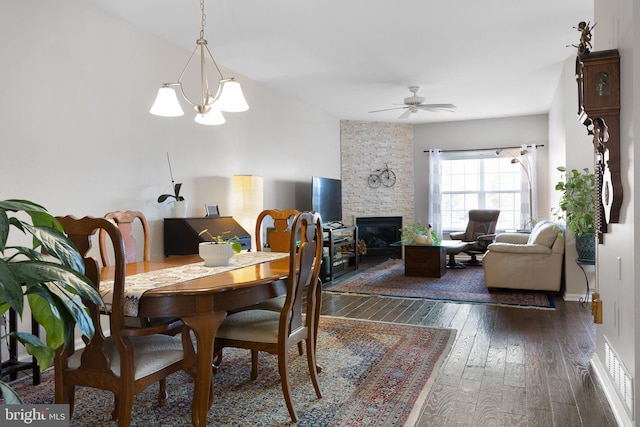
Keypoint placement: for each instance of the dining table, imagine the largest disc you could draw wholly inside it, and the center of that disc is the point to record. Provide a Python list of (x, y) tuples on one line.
[(202, 301)]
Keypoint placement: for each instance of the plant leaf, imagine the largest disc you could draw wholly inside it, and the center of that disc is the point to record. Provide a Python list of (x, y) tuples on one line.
[(36, 348), (9, 394), (44, 310), (10, 287)]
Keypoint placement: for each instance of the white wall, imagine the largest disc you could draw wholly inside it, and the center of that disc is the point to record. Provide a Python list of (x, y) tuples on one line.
[(618, 267), (77, 136), (617, 271), (479, 134)]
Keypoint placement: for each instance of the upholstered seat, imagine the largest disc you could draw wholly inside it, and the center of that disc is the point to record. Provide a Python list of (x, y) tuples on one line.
[(479, 234), (526, 261)]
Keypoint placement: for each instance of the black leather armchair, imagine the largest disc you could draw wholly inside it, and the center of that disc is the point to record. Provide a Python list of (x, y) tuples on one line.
[(479, 234)]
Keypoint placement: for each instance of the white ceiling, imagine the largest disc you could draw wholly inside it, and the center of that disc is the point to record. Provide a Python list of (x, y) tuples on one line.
[(491, 58)]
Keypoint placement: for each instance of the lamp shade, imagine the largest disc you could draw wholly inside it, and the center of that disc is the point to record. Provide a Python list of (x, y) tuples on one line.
[(248, 201), (231, 98), (166, 103), (213, 117)]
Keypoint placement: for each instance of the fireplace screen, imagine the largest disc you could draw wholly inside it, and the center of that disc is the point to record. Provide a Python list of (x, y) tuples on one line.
[(379, 233)]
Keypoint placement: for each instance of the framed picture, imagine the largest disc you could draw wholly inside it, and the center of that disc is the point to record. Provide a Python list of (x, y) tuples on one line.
[(212, 210)]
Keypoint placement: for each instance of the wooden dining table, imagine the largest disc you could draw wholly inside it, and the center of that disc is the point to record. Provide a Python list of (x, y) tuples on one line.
[(202, 304)]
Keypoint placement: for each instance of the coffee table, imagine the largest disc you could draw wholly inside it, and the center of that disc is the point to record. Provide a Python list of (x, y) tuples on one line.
[(431, 260)]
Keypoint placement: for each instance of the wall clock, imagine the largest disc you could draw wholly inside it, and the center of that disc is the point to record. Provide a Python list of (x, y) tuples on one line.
[(598, 77)]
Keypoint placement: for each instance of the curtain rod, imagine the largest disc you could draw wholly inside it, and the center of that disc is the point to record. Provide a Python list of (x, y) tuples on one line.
[(486, 149)]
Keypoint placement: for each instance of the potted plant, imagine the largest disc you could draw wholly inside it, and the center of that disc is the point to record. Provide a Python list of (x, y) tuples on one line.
[(417, 234), (219, 250), (49, 273), (180, 204), (577, 207)]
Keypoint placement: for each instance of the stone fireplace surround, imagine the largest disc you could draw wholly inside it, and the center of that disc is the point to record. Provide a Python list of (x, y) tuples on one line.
[(364, 148)]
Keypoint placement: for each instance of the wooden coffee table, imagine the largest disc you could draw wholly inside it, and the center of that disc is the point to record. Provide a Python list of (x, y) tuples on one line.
[(431, 260)]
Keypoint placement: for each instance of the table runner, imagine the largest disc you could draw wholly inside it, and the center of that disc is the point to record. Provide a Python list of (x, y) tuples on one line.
[(138, 284)]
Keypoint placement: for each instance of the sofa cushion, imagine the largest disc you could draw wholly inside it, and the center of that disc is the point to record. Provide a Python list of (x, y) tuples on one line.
[(543, 234)]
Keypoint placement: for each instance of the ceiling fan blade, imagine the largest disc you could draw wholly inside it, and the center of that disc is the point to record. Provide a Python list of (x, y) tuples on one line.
[(388, 109), (437, 106), (405, 114)]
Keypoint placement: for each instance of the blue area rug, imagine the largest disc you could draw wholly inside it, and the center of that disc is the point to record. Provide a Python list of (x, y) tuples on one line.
[(457, 285)]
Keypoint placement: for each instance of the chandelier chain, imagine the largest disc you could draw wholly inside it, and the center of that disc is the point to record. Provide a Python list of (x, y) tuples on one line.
[(203, 21)]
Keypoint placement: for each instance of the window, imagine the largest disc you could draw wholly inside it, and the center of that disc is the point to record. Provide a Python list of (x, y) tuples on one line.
[(479, 180)]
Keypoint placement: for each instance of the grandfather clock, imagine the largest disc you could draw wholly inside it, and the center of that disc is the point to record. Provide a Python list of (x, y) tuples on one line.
[(598, 76)]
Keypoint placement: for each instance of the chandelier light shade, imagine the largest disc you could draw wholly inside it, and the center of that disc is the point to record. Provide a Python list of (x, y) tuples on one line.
[(227, 97), (166, 104)]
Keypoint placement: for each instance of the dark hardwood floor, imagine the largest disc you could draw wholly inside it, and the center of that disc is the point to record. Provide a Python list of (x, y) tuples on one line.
[(507, 367)]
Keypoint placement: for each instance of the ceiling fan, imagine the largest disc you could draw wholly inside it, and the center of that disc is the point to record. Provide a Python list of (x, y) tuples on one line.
[(415, 103)]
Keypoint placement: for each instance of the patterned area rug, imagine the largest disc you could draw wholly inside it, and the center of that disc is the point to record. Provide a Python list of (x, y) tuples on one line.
[(458, 285), (374, 374)]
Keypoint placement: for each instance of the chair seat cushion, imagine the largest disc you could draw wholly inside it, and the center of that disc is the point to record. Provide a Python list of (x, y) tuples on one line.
[(151, 354), (251, 325)]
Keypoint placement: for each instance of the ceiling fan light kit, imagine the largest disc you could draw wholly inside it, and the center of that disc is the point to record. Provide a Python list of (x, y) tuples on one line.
[(415, 103), (228, 96)]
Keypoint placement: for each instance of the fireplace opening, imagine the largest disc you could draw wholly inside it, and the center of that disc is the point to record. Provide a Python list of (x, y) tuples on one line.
[(379, 233)]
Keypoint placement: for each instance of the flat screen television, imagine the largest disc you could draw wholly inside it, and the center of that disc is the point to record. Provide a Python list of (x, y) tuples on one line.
[(326, 199)]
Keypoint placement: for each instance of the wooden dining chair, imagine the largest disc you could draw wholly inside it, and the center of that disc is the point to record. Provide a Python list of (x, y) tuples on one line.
[(277, 237), (125, 222), (129, 359), (275, 332)]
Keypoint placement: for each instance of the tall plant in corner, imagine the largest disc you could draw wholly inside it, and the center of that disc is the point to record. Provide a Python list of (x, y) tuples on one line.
[(49, 273)]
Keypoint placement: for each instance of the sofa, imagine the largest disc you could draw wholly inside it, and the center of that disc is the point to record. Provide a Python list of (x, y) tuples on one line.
[(526, 261)]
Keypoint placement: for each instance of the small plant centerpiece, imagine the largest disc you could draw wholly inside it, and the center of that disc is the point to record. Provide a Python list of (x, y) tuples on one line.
[(48, 275), (180, 204), (417, 234), (219, 250), (577, 208)]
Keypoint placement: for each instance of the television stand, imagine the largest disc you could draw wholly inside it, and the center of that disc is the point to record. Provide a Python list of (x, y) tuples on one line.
[(340, 253)]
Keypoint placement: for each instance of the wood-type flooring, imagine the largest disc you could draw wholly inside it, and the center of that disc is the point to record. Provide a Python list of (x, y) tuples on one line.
[(507, 367)]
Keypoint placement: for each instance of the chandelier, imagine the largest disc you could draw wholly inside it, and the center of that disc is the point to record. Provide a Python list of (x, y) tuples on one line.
[(228, 96)]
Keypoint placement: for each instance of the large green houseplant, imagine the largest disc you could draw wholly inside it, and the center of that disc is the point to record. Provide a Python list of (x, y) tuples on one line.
[(48, 275), (577, 206)]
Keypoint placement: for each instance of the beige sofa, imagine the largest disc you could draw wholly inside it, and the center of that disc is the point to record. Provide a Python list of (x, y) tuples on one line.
[(526, 261)]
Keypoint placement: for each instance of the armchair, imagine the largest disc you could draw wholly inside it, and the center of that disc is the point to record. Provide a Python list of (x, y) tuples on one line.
[(479, 234), (526, 261)]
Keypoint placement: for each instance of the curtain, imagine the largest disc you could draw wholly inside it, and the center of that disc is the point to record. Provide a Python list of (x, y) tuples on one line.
[(435, 178)]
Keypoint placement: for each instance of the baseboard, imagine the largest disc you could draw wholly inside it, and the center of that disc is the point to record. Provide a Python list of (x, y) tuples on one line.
[(617, 406), (577, 297)]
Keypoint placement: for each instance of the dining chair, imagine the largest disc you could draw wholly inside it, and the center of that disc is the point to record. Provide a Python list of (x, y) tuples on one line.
[(127, 359), (275, 332), (125, 222), (278, 236)]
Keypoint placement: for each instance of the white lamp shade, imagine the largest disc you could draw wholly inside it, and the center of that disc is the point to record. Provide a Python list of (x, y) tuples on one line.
[(166, 103), (212, 118), (248, 201), (231, 98)]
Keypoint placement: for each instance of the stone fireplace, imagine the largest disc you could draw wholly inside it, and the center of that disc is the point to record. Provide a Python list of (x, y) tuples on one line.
[(379, 233)]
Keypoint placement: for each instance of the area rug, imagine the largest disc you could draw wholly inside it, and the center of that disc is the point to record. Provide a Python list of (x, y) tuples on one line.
[(374, 374), (457, 285)]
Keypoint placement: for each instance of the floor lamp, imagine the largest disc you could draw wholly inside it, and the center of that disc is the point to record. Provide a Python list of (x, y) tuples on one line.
[(526, 172), (248, 202)]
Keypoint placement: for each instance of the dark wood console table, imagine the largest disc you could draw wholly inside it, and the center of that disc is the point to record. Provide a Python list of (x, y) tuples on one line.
[(181, 234)]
